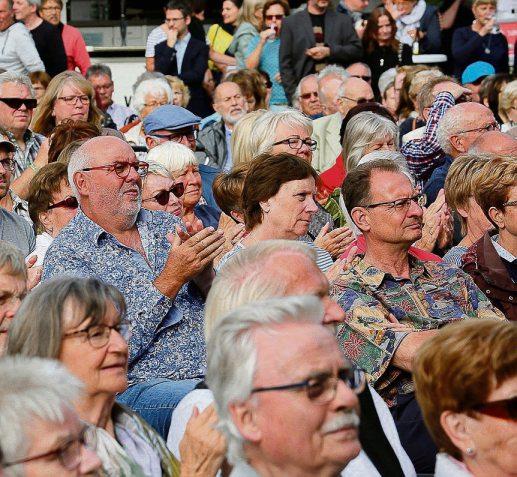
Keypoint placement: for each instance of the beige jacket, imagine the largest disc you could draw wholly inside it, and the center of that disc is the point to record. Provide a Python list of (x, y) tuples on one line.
[(326, 133)]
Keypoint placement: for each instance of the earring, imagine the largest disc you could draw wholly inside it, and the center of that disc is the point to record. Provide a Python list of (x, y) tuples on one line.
[(470, 451)]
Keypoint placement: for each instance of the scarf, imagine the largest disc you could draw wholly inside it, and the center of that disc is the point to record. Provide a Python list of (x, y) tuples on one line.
[(411, 21)]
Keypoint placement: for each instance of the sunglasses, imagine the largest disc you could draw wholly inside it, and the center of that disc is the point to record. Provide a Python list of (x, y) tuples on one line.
[(68, 203), (274, 17), (503, 409), (364, 78), (163, 196), (16, 103), (309, 95)]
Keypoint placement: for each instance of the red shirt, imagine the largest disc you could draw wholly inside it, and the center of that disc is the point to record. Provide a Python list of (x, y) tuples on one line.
[(75, 48), (333, 178)]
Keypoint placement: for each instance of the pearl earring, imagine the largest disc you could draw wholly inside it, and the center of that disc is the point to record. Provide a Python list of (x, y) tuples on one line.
[(470, 451)]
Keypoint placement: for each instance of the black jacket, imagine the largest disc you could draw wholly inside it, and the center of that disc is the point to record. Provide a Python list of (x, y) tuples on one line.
[(51, 49)]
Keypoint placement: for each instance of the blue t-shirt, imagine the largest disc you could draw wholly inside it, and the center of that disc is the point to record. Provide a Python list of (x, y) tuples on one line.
[(270, 63)]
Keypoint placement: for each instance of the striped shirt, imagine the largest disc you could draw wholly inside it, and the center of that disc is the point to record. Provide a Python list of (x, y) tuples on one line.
[(156, 36)]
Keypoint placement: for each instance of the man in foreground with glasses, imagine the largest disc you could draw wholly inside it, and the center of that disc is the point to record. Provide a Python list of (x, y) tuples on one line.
[(162, 268), (393, 301), (292, 408), (40, 432)]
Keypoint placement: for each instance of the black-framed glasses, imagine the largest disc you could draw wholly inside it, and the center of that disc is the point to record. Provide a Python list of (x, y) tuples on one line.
[(511, 203), (99, 335), (363, 77), (69, 202), (177, 136), (16, 103), (309, 95), (8, 163), (296, 142), (503, 408), (274, 17), (400, 204), (321, 389), (164, 195), (69, 453), (358, 100), (122, 169), (489, 127), (70, 100)]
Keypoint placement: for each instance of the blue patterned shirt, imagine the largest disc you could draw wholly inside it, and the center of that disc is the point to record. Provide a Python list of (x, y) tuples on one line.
[(167, 338)]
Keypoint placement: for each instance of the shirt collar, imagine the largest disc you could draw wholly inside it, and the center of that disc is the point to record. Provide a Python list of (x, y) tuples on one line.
[(501, 251), (185, 39)]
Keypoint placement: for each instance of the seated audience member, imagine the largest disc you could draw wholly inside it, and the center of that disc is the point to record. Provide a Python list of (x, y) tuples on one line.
[(112, 239), (181, 165), (330, 80), (228, 192), (418, 22), (352, 92), (231, 104), (243, 143), (13, 287), (75, 47), (361, 71), (69, 319), (40, 432), (459, 195), (177, 124), (306, 97), (380, 288), (390, 98), (180, 91), (99, 76), (494, 142), (490, 91), (40, 81), (17, 103), (289, 347), (508, 106), (160, 192), (51, 205), (252, 86), (481, 41), (274, 267), (474, 74), (184, 56), (14, 229), (465, 381), (403, 80), (278, 203), (491, 261), (68, 96)]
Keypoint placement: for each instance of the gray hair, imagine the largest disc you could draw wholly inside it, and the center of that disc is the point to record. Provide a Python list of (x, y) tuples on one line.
[(246, 277), (263, 133), (150, 86), (157, 169), (17, 78), (449, 124), (32, 388), (298, 90), (36, 3), (232, 354), (394, 156), (80, 159), (146, 75), (362, 130), (333, 70), (12, 261), (172, 156), (98, 69), (243, 149)]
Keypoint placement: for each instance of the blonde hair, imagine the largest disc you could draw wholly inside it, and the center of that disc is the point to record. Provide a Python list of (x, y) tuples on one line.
[(475, 3), (172, 156), (247, 12), (508, 96), (242, 145), (175, 82), (43, 122)]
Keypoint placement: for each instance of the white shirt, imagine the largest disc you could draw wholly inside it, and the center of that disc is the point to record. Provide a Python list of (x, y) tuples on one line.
[(181, 47), (43, 242)]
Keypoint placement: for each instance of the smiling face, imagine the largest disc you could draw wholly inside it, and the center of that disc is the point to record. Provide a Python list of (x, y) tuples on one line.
[(23, 10), (155, 185), (230, 12)]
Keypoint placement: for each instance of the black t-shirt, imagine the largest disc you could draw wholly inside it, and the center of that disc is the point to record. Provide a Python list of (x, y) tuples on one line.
[(318, 27), (51, 49)]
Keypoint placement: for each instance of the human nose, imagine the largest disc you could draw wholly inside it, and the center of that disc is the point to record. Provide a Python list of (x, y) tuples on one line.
[(311, 205), (333, 313), (345, 397), (90, 462)]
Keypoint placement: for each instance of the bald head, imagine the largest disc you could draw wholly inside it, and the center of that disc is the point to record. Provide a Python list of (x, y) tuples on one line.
[(494, 142), (226, 88), (352, 92), (230, 103)]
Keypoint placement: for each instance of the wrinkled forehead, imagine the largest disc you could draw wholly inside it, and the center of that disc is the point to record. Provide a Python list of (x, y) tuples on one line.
[(309, 85), (109, 150), (389, 186)]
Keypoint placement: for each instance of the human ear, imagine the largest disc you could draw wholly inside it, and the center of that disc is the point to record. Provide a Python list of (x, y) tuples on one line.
[(497, 217), (361, 218), (244, 417), (456, 427)]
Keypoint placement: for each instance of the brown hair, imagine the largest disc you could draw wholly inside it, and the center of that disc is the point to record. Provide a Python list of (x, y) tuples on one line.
[(459, 367), (424, 96), (47, 182), (40, 77), (370, 42), (270, 3), (265, 176), (251, 84), (67, 132), (59, 2), (493, 183), (406, 106), (227, 188)]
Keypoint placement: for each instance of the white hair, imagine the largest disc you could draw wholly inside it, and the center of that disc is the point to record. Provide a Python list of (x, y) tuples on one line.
[(17, 78), (172, 156), (232, 355), (363, 129), (152, 86), (263, 132), (333, 70), (450, 123), (79, 159), (246, 277), (298, 90), (37, 3), (31, 388)]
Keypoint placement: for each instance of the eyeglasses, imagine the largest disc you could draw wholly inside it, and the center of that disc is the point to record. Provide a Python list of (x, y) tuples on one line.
[(511, 203), (364, 78), (69, 203), (489, 127), (174, 20), (358, 100), (177, 136), (70, 100), (163, 196), (156, 104), (296, 142), (401, 204), (309, 95), (274, 17), (99, 335), (8, 163), (122, 169), (503, 409), (51, 9), (16, 103), (322, 389), (69, 454)]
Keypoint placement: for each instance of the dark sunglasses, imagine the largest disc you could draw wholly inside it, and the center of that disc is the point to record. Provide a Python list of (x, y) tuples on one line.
[(364, 78), (309, 95), (16, 103), (163, 196), (68, 203), (503, 409), (274, 17)]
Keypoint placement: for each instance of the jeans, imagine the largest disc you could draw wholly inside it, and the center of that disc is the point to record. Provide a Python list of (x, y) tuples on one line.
[(155, 400)]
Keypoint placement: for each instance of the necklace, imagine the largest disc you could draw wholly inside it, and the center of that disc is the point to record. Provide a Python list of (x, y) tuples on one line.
[(487, 47)]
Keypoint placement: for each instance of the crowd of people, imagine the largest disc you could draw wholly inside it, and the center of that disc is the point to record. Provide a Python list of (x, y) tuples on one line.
[(294, 253)]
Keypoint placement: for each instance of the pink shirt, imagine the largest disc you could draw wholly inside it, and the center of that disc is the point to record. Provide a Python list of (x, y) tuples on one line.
[(75, 48)]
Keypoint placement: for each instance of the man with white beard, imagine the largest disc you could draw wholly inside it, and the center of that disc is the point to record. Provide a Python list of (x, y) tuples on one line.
[(231, 104)]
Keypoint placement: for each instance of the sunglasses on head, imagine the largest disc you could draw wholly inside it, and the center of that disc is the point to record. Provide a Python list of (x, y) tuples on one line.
[(16, 103), (68, 203), (163, 196)]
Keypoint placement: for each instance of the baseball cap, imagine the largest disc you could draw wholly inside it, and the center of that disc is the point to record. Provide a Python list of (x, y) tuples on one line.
[(170, 118), (475, 71)]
